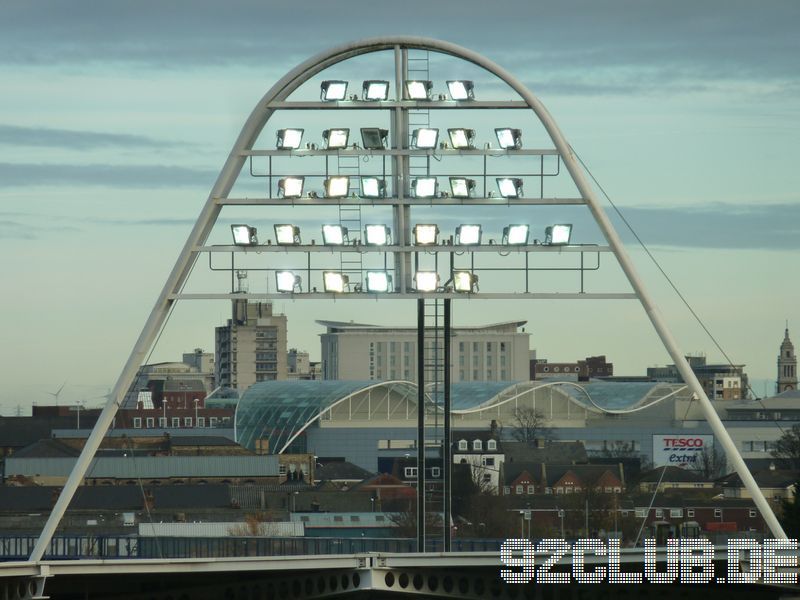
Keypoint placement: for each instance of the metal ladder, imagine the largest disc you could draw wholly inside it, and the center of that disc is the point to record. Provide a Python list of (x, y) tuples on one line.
[(351, 263), (435, 364), (418, 68)]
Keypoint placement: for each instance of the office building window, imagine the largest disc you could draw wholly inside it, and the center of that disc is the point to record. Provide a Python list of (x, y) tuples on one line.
[(137, 422), (176, 422), (150, 422), (187, 421), (162, 422), (201, 421)]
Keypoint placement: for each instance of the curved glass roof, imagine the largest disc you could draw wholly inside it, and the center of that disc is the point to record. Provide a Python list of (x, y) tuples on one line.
[(471, 394), (278, 409), (612, 394)]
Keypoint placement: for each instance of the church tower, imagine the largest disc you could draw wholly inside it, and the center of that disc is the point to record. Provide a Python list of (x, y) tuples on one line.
[(787, 365)]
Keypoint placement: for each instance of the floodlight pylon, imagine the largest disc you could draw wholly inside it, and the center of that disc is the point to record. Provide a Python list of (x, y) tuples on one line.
[(244, 145)]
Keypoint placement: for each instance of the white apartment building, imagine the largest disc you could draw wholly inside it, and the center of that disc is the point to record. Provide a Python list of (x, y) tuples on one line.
[(356, 351)]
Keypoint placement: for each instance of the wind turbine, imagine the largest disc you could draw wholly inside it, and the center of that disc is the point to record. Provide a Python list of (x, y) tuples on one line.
[(57, 393)]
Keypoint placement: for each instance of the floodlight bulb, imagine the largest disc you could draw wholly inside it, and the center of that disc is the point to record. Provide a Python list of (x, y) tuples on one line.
[(461, 187), (333, 235), (426, 281), (286, 281), (378, 281), (461, 90), (425, 235), (468, 235), (377, 235), (464, 281), (425, 138), (510, 187), (461, 138), (516, 235), (424, 187), (375, 90), (509, 139), (419, 89), (557, 235), (287, 235), (372, 187), (334, 281), (291, 187), (333, 90), (335, 138), (289, 139), (244, 235), (337, 187)]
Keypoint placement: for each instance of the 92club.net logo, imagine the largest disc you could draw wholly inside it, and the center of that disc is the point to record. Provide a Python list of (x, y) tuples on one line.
[(555, 560)]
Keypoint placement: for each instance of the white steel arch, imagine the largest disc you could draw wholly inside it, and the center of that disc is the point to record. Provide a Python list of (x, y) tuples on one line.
[(227, 177)]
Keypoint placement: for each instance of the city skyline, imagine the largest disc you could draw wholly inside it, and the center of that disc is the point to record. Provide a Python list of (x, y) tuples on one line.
[(113, 130)]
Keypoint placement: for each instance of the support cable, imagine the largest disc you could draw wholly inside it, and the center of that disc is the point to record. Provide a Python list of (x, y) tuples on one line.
[(671, 284)]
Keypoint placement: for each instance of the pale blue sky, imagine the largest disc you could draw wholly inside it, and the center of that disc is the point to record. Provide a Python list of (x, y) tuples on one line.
[(116, 117)]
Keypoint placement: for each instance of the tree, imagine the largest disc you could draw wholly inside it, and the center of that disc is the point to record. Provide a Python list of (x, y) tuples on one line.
[(529, 425), (710, 463), (790, 519), (788, 447)]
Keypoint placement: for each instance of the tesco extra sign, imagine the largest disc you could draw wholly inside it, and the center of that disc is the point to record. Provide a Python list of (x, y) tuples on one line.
[(680, 450)]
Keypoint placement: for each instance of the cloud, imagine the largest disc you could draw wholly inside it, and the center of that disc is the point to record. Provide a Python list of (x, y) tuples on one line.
[(642, 40), (13, 135), (123, 176), (759, 226)]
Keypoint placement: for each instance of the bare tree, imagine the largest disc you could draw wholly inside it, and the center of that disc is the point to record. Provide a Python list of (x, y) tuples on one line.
[(710, 463), (529, 425)]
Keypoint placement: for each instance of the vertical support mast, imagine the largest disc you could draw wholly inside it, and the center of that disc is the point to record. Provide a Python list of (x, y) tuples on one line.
[(421, 425)]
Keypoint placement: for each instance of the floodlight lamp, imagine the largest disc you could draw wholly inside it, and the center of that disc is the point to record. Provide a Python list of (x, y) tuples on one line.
[(510, 187), (465, 282), (461, 138), (378, 235), (468, 235), (287, 282), (244, 235), (287, 235), (425, 235), (461, 187), (509, 139), (335, 138), (379, 281), (333, 281), (425, 187), (461, 89), (289, 139), (334, 235), (337, 186), (557, 235), (516, 235), (424, 138), (291, 187), (426, 281), (418, 89), (375, 90), (374, 138), (333, 90), (372, 187)]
